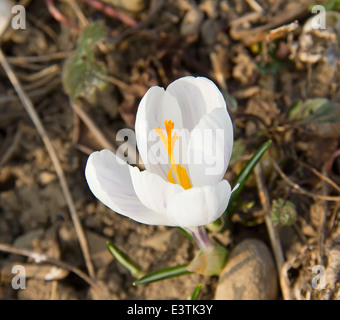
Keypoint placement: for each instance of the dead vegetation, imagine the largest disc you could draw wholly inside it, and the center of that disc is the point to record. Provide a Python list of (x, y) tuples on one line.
[(281, 82)]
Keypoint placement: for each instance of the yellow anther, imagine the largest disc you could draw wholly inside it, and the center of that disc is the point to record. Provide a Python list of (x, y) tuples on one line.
[(170, 177), (169, 141), (183, 177)]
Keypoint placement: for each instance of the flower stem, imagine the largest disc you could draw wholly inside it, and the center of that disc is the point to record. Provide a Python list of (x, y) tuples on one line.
[(201, 237), (211, 257)]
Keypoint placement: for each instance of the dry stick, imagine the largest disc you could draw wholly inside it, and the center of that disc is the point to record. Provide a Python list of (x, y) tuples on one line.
[(41, 258), (255, 6), (273, 234), (300, 190), (59, 16), (106, 144), (39, 59), (28, 105), (319, 175), (93, 127), (323, 228), (112, 12)]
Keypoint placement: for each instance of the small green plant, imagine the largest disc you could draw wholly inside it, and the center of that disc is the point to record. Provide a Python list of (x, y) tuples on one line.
[(283, 213), (83, 74)]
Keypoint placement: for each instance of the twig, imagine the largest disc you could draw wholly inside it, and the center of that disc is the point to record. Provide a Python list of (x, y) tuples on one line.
[(255, 6), (59, 16), (42, 258), (80, 15), (12, 148), (155, 6), (119, 83), (41, 92), (105, 143), (112, 12), (319, 175), (93, 127), (273, 234), (39, 59), (28, 105), (249, 36), (297, 188), (331, 160), (323, 228), (33, 77)]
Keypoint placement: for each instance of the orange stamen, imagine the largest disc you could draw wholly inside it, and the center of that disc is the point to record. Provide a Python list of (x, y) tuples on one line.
[(169, 141)]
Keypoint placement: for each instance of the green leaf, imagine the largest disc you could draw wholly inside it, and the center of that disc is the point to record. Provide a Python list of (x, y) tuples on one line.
[(247, 170), (163, 274), (301, 110), (328, 113), (196, 292), (318, 109), (135, 270), (244, 175), (328, 5), (210, 262), (83, 74)]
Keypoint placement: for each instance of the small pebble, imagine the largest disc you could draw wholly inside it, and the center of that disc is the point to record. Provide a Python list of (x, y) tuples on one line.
[(249, 274)]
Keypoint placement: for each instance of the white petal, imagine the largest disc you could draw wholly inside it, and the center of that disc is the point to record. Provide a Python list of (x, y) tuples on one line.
[(199, 206), (155, 108), (196, 97), (110, 181), (210, 147), (153, 191)]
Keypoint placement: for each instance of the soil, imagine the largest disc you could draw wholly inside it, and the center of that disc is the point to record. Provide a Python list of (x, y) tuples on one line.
[(262, 73)]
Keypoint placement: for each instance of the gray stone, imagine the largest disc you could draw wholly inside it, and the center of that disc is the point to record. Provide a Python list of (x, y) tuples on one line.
[(249, 274), (192, 21)]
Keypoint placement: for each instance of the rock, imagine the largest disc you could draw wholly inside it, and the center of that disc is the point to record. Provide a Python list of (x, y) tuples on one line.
[(209, 32), (249, 274), (191, 22)]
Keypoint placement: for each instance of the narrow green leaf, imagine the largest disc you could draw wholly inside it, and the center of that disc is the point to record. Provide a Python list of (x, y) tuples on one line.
[(247, 170), (197, 291), (163, 274), (243, 176), (135, 270)]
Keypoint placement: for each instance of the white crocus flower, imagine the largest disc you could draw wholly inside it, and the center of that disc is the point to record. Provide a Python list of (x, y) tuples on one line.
[(180, 186)]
